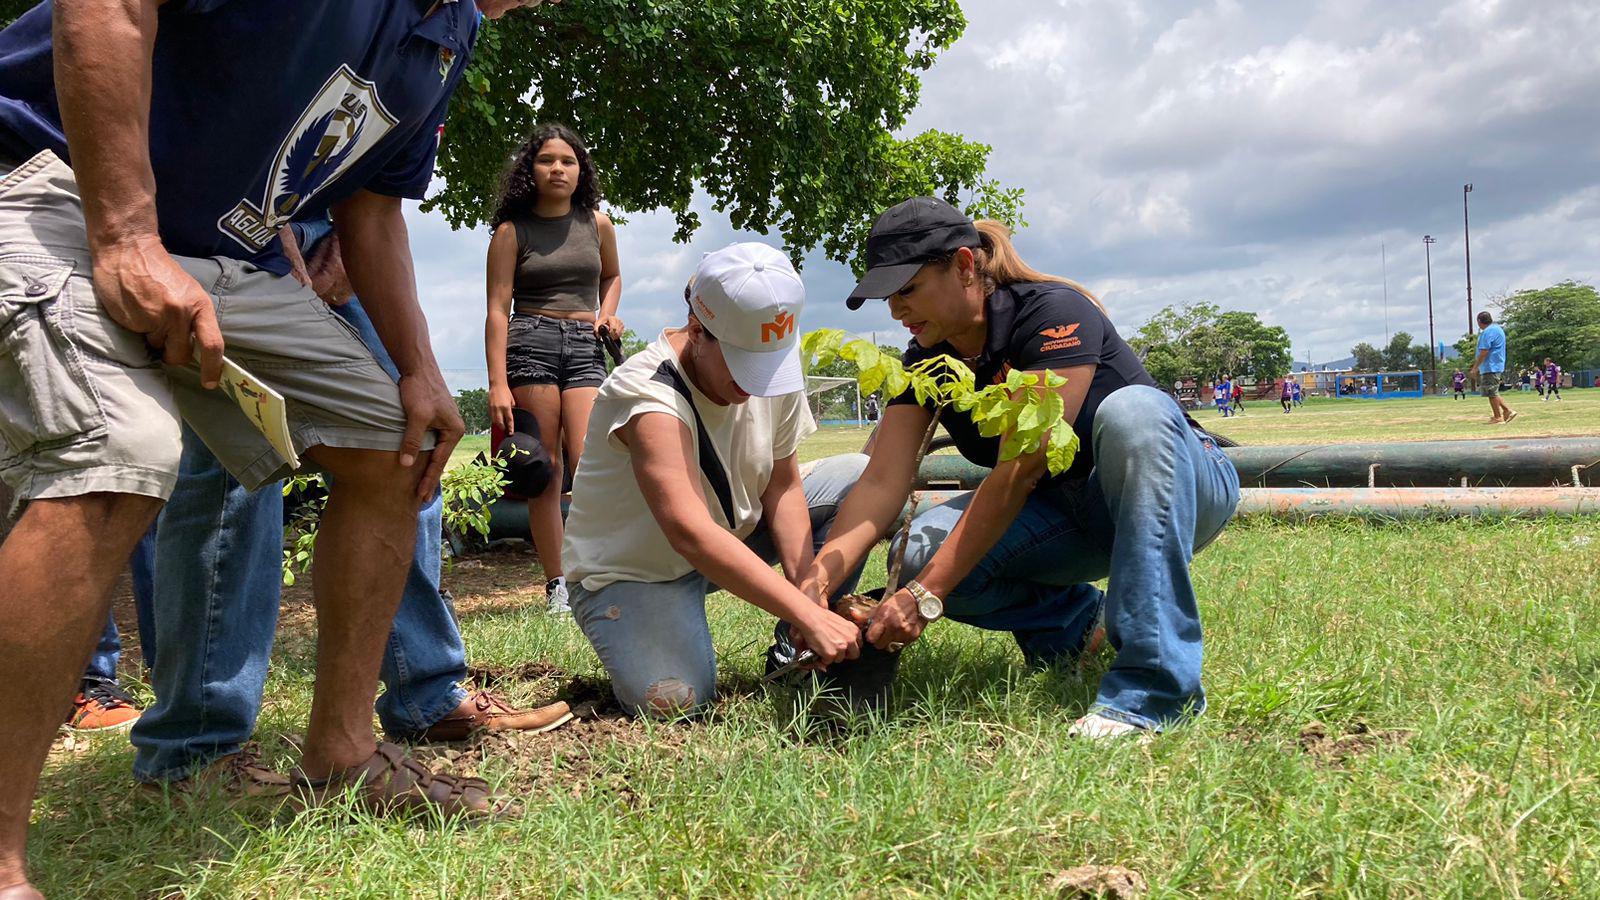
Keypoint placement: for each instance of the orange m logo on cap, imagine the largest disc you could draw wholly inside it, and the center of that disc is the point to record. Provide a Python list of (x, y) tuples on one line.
[(778, 328)]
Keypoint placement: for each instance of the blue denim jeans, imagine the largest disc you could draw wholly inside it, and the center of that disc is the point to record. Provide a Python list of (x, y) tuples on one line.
[(218, 551), (653, 638), (108, 652), (1158, 493)]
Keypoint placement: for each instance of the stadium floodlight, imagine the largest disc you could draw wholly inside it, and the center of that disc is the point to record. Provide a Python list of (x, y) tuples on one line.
[(1466, 227), (1433, 345)]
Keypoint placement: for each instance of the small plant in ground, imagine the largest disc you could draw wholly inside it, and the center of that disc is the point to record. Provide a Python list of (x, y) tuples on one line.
[(469, 491)]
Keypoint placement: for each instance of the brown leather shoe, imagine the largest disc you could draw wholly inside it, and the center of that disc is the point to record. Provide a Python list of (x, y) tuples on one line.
[(484, 710), (391, 782), (23, 891), (240, 775)]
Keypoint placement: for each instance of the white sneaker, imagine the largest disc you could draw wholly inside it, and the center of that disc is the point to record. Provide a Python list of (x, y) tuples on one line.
[(1096, 727), (555, 591)]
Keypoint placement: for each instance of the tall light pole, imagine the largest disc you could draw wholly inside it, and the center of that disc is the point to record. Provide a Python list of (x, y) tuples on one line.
[(1466, 226), (1433, 345), (1384, 249)]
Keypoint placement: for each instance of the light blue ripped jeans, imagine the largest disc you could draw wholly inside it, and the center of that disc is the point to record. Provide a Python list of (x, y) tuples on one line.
[(653, 638), (1158, 493)]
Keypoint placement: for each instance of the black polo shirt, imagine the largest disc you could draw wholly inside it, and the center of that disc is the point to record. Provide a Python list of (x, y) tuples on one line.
[(1035, 326)]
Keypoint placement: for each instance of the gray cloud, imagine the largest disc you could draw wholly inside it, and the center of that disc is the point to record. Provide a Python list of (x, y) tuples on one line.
[(1255, 155)]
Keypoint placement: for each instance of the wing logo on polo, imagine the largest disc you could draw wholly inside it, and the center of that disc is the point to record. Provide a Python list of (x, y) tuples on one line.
[(343, 122), (779, 328), (1060, 338)]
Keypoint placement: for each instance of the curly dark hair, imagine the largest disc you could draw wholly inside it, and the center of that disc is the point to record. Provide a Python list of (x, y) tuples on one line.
[(518, 193)]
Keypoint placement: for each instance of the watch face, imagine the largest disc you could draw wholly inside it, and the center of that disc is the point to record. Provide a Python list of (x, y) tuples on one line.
[(930, 607)]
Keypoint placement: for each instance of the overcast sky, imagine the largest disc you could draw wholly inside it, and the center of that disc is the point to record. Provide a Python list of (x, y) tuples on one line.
[(1255, 155)]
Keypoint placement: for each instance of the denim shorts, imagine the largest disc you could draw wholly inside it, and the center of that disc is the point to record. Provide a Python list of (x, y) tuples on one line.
[(546, 350)]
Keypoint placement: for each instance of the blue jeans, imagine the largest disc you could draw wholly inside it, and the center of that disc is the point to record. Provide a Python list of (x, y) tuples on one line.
[(219, 554), (653, 638), (108, 652), (1158, 493)]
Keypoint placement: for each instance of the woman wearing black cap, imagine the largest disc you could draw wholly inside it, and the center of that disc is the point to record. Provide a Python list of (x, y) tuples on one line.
[(1147, 490)]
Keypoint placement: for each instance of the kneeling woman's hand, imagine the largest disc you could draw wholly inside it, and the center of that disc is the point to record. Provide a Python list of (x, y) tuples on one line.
[(831, 637), (897, 621)]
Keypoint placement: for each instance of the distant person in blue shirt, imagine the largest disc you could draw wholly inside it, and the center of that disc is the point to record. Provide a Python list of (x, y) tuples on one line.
[(1490, 365), (150, 153)]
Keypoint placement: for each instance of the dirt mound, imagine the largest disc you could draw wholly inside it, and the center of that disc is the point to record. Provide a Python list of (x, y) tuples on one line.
[(1099, 881), (1329, 747)]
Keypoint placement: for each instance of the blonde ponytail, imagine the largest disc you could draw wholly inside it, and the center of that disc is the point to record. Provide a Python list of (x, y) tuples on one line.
[(999, 264)]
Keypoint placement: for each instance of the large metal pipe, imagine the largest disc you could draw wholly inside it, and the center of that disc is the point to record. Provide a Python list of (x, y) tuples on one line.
[(1391, 503), (1526, 462), (1393, 479), (1424, 502)]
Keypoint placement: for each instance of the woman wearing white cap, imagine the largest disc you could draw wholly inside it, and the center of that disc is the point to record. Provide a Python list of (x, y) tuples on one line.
[(1148, 488), (690, 480)]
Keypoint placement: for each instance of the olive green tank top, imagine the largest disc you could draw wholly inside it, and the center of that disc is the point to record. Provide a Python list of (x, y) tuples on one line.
[(558, 264)]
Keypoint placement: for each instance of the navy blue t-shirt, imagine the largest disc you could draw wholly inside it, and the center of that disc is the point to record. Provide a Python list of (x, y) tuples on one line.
[(1034, 326), (264, 111)]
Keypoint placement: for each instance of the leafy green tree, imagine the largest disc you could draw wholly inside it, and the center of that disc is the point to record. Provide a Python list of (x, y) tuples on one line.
[(474, 406), (1368, 358), (785, 114), (1397, 355), (1168, 342), (1201, 340), (1561, 321)]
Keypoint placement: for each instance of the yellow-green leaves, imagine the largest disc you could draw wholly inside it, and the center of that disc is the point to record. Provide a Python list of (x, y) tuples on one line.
[(1025, 410)]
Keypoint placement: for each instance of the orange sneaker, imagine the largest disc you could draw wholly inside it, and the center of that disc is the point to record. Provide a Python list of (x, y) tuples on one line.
[(102, 706)]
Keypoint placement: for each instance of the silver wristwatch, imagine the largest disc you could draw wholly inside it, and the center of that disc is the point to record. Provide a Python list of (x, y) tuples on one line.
[(929, 606)]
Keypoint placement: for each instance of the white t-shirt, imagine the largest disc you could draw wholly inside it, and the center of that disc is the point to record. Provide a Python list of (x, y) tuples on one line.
[(611, 535)]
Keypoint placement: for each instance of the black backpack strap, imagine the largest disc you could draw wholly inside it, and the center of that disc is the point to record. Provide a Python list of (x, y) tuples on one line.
[(710, 466)]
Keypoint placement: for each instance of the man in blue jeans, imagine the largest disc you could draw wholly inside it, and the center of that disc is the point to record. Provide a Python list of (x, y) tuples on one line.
[(218, 549)]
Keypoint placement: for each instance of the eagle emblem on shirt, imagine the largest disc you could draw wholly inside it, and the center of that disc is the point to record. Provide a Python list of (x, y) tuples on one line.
[(342, 123)]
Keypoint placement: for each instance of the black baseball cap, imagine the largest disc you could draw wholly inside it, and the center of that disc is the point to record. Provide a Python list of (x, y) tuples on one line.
[(906, 238), (527, 463)]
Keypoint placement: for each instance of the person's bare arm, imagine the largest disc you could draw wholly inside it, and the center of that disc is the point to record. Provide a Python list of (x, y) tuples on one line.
[(502, 272), (870, 509), (662, 454), (377, 250), (788, 518), (102, 71), (291, 251), (610, 278), (994, 505)]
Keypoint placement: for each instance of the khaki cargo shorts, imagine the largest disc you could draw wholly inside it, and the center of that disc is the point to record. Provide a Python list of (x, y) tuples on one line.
[(86, 406)]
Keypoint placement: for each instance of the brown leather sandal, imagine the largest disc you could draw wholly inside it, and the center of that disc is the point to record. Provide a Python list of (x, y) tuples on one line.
[(390, 782)]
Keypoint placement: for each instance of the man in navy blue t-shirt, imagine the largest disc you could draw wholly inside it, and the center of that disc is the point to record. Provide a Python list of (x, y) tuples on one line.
[(149, 154)]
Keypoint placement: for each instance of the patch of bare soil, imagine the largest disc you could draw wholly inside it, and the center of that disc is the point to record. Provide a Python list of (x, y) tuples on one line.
[(1113, 882), (1332, 748)]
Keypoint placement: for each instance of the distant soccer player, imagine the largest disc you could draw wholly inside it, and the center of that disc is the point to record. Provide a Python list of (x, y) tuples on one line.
[(1286, 394), (1238, 395), (1552, 380), (1458, 383), (1491, 364), (1298, 400), (1538, 381), (1224, 398)]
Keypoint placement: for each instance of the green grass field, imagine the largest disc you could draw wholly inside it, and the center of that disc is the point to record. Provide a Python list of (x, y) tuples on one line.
[(1394, 710)]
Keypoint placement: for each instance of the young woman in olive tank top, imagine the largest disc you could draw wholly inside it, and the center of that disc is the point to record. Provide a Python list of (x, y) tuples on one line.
[(554, 286)]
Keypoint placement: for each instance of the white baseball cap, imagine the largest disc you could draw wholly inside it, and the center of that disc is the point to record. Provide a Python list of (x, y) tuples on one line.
[(749, 297)]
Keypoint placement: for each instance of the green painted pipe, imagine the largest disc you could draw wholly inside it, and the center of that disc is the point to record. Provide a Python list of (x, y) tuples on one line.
[(1524, 462)]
